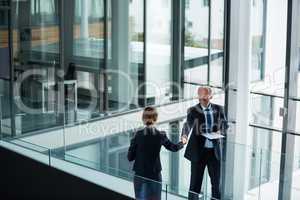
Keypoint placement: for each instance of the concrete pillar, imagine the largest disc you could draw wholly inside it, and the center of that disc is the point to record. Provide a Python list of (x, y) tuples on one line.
[(118, 75), (237, 156)]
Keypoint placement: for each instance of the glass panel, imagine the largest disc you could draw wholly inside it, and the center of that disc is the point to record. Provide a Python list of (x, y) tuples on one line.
[(269, 174), (266, 111), (136, 51), (125, 71), (158, 58), (5, 100), (190, 90), (274, 69), (258, 39), (84, 90), (217, 43), (196, 42), (296, 172), (31, 150), (5, 108), (266, 151), (43, 11), (294, 125), (295, 70), (36, 59), (4, 49)]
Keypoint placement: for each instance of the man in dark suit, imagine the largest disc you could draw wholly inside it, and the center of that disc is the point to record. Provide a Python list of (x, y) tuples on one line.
[(204, 118)]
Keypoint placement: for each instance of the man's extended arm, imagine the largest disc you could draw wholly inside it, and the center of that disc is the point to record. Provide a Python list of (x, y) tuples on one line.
[(188, 125)]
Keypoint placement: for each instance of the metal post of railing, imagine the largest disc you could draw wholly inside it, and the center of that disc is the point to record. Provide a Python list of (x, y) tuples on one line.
[(49, 154), (166, 191)]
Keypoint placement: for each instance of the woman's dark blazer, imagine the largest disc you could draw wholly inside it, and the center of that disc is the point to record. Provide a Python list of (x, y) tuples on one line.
[(145, 149)]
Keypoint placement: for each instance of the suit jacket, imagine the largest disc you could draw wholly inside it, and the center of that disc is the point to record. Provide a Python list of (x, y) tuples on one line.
[(145, 151), (196, 125)]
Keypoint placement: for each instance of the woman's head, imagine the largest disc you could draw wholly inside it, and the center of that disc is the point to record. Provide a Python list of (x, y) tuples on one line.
[(149, 116)]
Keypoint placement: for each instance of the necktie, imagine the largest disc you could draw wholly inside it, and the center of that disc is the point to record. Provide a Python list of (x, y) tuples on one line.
[(208, 121)]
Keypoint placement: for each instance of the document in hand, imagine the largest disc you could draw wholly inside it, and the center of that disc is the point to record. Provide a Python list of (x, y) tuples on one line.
[(213, 136)]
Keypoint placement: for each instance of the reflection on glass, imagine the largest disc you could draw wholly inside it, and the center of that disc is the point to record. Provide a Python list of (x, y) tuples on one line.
[(5, 109), (136, 50), (5, 100), (295, 191), (258, 39), (43, 11), (294, 112), (217, 43), (265, 157), (36, 58), (84, 96), (275, 48), (266, 111), (295, 71), (196, 42), (158, 58), (125, 70)]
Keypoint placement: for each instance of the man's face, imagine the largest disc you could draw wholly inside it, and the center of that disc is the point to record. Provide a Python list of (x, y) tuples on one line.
[(204, 95)]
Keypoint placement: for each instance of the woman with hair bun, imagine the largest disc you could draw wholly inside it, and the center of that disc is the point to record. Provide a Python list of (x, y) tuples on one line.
[(144, 150)]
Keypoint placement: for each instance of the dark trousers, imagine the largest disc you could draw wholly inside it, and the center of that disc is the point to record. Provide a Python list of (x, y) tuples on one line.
[(147, 189), (197, 171)]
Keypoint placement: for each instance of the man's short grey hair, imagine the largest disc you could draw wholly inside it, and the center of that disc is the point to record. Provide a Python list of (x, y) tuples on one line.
[(206, 88)]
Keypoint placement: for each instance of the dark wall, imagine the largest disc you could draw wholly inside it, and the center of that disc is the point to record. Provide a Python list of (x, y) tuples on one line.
[(24, 178)]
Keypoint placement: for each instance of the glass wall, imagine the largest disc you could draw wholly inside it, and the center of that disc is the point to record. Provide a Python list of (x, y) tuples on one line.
[(5, 100), (267, 94), (136, 52), (36, 61), (268, 58), (84, 71), (203, 45), (216, 75), (158, 51), (196, 42), (294, 106), (75, 68), (125, 69), (258, 27)]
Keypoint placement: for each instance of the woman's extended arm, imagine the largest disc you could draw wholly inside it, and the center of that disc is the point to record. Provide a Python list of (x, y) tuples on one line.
[(170, 145)]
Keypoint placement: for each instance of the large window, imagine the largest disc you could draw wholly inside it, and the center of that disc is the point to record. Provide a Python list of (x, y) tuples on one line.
[(91, 58), (268, 58), (85, 69), (158, 51), (43, 12), (125, 70), (204, 43), (196, 43), (5, 97), (216, 74), (36, 59), (258, 27)]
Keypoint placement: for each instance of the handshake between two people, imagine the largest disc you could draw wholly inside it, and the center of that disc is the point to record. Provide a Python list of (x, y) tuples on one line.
[(184, 139), (215, 135)]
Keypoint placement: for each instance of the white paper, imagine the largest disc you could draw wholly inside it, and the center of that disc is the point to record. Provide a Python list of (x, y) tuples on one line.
[(213, 136)]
